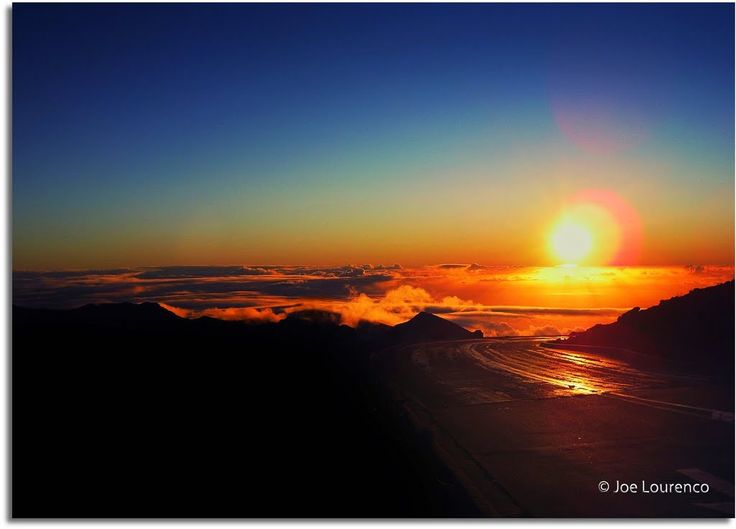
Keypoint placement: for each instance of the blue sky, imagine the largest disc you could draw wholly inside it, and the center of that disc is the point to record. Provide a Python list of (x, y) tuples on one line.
[(216, 134)]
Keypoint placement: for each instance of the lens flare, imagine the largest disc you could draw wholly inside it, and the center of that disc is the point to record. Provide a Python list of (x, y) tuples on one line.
[(622, 222), (596, 227)]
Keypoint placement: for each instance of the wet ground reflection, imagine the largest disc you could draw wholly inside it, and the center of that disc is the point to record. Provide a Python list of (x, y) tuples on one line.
[(562, 372)]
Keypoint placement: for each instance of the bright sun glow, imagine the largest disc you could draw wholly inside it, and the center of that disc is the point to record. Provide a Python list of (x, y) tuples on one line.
[(571, 242)]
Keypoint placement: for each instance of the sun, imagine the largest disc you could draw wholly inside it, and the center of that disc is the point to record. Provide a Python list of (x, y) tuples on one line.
[(571, 241), (586, 232)]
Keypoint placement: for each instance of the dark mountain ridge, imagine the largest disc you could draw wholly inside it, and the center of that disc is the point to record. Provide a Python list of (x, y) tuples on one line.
[(696, 328), (422, 327)]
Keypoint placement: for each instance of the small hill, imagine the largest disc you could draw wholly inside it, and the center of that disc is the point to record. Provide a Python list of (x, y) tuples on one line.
[(696, 328), (426, 327)]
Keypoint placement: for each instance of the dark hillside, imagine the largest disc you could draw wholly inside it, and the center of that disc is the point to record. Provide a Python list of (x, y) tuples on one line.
[(696, 329), (130, 411)]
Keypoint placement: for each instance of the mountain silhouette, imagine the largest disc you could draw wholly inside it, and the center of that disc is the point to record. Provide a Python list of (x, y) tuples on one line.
[(425, 327), (697, 329)]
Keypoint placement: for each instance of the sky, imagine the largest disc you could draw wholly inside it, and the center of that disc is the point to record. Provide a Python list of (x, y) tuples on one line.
[(169, 135)]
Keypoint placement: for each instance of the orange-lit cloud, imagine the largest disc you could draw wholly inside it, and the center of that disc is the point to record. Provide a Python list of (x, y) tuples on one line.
[(499, 300), (260, 315), (181, 312), (395, 306), (250, 314)]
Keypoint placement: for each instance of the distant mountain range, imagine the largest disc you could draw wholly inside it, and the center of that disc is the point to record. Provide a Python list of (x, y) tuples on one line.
[(697, 328), (422, 327)]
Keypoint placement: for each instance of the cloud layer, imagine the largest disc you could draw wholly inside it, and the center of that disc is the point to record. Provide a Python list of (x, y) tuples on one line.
[(500, 301)]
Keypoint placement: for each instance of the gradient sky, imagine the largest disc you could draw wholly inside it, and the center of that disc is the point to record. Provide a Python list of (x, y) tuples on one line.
[(299, 134)]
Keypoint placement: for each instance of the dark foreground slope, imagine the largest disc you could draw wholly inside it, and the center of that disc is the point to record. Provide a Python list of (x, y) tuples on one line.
[(696, 329), (130, 411)]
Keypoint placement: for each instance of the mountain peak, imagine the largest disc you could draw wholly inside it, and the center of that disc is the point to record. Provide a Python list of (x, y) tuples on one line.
[(426, 316), (427, 327)]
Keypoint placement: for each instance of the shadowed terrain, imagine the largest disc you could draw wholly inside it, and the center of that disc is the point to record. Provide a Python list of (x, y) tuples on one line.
[(129, 410), (125, 410), (694, 330)]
